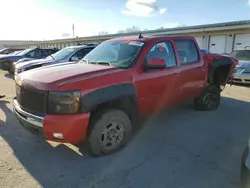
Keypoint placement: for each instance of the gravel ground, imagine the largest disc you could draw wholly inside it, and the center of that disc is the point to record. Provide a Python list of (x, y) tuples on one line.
[(180, 148)]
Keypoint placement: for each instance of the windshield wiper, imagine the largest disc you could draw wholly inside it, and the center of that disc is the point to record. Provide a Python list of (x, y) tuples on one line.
[(96, 62), (84, 60), (47, 53), (103, 63)]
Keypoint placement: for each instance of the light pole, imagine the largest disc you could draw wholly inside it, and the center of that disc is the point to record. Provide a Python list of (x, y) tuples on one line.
[(73, 30)]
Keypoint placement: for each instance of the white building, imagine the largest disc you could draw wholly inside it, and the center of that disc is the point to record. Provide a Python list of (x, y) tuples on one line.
[(217, 38), (8, 43)]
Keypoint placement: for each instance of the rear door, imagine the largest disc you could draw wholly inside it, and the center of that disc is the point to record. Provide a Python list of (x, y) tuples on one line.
[(158, 88), (193, 71)]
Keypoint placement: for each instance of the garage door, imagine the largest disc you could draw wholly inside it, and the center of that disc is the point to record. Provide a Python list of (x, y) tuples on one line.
[(241, 40), (217, 44), (199, 41)]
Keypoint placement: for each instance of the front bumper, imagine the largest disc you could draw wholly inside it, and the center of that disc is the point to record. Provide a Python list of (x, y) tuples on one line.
[(72, 127), (5, 65), (241, 75), (242, 78), (16, 73)]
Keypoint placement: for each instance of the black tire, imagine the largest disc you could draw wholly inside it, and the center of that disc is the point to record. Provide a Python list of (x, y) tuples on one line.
[(11, 69), (208, 100), (108, 119)]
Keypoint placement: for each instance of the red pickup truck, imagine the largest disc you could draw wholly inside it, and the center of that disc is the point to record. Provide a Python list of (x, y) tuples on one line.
[(98, 99)]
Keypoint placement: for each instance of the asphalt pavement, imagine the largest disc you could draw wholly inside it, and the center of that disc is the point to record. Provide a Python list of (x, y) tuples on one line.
[(179, 148)]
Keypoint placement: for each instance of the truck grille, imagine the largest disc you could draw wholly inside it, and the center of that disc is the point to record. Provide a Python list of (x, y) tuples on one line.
[(32, 101)]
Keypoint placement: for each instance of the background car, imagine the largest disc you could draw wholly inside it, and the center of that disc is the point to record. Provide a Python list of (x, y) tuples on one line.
[(8, 50), (68, 54), (242, 71), (204, 51), (16, 52), (6, 62)]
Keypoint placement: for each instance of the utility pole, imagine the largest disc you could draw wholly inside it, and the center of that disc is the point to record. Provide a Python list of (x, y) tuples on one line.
[(73, 29)]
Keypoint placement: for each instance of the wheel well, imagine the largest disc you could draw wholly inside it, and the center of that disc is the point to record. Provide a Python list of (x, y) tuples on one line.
[(126, 104), (220, 75)]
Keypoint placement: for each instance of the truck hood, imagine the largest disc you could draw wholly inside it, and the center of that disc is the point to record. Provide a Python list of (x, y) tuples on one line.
[(50, 78), (3, 55), (33, 62)]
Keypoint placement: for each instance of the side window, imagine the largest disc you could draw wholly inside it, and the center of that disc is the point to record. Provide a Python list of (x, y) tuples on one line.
[(187, 51), (163, 50), (51, 51), (81, 53), (44, 52), (32, 53)]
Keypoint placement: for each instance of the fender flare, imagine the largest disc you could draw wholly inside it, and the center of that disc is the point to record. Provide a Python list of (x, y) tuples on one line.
[(106, 94), (218, 63)]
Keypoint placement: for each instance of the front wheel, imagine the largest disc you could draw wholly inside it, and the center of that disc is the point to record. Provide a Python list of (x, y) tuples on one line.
[(110, 130), (208, 100)]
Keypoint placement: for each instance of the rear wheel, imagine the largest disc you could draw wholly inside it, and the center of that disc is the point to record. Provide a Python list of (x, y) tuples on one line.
[(110, 130), (208, 100)]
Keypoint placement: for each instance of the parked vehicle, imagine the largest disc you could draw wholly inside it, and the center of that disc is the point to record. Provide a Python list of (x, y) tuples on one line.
[(6, 62), (16, 52), (225, 54), (6, 51), (245, 168), (242, 71), (68, 54), (204, 51), (99, 99)]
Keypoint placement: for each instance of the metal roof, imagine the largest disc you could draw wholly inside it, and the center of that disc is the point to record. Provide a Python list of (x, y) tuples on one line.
[(206, 26), (225, 26)]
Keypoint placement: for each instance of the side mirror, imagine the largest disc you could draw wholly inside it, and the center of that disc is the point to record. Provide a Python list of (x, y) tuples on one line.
[(74, 58), (156, 63)]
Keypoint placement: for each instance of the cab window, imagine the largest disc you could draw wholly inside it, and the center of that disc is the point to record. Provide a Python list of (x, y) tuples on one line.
[(163, 50)]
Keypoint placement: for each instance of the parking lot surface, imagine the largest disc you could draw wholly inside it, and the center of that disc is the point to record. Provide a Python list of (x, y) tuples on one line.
[(179, 148)]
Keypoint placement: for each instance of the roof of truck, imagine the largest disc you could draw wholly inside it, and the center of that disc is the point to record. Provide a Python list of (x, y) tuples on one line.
[(147, 38)]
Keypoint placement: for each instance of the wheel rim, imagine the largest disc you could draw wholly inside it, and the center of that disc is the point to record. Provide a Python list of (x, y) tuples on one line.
[(112, 136), (210, 100)]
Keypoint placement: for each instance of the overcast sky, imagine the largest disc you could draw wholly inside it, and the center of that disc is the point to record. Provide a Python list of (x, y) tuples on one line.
[(50, 19)]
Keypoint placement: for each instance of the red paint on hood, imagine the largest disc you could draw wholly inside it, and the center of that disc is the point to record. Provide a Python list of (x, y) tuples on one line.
[(52, 77)]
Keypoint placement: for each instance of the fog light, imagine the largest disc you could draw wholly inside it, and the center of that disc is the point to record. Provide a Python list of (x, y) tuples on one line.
[(58, 135)]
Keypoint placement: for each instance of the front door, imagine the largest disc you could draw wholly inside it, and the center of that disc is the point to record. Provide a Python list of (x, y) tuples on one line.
[(158, 89)]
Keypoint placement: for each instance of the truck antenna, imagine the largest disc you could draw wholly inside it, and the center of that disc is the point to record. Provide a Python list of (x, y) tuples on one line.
[(140, 36)]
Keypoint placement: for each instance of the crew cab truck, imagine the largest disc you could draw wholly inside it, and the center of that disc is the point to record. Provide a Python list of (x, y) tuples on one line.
[(98, 99)]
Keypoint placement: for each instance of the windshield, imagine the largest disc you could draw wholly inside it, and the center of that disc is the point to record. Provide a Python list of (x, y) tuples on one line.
[(241, 55), (62, 53), (116, 53), (25, 51)]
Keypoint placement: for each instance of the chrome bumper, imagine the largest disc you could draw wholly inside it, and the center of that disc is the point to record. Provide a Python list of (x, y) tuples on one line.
[(25, 117)]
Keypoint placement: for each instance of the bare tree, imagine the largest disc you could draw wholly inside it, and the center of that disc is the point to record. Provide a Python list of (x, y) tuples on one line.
[(130, 29)]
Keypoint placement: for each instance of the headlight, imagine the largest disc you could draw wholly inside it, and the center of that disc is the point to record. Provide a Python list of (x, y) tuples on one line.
[(18, 71), (62, 102)]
